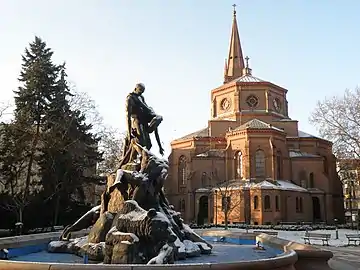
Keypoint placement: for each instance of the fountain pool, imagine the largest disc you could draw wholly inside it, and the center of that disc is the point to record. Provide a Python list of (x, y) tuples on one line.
[(225, 250)]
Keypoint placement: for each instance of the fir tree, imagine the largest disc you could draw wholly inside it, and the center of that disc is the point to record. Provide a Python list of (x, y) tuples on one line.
[(70, 154), (22, 138)]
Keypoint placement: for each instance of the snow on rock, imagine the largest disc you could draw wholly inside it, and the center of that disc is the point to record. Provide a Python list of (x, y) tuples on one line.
[(204, 248), (191, 249), (181, 252), (58, 246), (165, 256), (133, 236)]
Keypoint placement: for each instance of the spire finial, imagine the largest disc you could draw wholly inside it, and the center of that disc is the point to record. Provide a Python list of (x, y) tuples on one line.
[(247, 61), (247, 70), (234, 6)]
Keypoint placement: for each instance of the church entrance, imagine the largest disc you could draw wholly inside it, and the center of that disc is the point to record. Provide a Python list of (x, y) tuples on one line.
[(203, 214), (316, 209)]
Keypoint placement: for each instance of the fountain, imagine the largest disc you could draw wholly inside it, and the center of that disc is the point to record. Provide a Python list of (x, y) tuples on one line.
[(135, 226)]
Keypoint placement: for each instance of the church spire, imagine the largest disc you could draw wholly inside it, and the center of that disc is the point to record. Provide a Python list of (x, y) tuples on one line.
[(235, 62)]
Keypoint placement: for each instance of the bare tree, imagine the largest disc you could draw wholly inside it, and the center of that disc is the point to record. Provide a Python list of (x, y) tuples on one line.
[(5, 110), (228, 199), (111, 145), (82, 101), (338, 120)]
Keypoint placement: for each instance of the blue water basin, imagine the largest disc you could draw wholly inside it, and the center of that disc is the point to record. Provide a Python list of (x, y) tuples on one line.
[(225, 249)]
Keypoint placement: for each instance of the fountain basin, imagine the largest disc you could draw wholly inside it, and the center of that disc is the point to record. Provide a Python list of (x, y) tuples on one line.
[(230, 252)]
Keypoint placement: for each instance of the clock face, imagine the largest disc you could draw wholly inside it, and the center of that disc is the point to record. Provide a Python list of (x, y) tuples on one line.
[(226, 104), (277, 104)]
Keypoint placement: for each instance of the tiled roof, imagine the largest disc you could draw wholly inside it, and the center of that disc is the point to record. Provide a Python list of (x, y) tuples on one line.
[(212, 153), (248, 78), (297, 153), (200, 133), (275, 184), (257, 124)]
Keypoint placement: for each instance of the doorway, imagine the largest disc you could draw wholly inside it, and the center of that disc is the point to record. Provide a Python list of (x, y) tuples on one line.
[(203, 214), (316, 209)]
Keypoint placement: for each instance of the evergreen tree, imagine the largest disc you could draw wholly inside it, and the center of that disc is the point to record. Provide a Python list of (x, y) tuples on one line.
[(21, 140), (70, 154)]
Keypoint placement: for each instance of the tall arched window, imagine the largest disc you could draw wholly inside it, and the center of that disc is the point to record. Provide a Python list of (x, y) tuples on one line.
[(311, 180), (267, 204), (203, 179), (256, 202), (182, 170), (239, 165), (300, 204), (278, 165), (260, 163), (303, 178)]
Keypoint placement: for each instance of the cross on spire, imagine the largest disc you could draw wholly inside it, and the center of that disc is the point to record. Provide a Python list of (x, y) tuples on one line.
[(247, 61), (234, 5)]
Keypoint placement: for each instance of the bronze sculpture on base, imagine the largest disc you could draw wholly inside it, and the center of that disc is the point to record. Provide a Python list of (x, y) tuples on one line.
[(135, 222)]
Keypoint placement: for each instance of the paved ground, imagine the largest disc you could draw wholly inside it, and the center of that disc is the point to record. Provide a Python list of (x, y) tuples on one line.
[(345, 258)]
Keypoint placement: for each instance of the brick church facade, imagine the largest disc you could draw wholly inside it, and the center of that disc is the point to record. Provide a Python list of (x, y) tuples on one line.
[(252, 163)]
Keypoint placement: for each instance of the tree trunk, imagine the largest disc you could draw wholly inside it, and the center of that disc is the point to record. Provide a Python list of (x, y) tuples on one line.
[(31, 161), (56, 212), (226, 219)]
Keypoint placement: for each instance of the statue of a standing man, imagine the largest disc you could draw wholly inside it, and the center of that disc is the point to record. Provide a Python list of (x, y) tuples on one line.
[(141, 119)]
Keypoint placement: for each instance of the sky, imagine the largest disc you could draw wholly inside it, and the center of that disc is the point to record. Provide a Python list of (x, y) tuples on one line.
[(177, 49)]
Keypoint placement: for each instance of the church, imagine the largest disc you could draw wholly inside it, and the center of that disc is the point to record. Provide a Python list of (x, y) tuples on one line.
[(252, 164)]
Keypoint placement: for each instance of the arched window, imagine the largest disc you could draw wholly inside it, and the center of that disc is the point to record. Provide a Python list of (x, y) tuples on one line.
[(256, 202), (260, 163), (238, 165), (267, 204), (182, 170), (277, 203), (311, 180), (326, 165), (303, 178), (278, 165), (300, 205)]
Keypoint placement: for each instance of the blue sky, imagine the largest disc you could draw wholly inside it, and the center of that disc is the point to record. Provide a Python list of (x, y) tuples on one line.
[(177, 48)]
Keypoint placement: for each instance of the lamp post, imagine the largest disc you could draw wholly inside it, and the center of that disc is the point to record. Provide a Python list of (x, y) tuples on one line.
[(336, 230), (216, 199)]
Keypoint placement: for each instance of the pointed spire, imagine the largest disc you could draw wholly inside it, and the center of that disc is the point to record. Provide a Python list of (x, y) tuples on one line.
[(235, 64)]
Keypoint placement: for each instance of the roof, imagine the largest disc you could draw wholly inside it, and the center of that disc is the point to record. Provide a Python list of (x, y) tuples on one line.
[(275, 184), (294, 153), (248, 78), (212, 153), (257, 124), (303, 134), (200, 133)]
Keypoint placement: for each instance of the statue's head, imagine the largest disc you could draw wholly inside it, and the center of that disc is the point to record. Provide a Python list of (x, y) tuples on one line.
[(139, 88)]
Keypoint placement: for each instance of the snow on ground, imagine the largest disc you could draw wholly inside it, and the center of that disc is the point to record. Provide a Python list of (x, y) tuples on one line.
[(297, 236)]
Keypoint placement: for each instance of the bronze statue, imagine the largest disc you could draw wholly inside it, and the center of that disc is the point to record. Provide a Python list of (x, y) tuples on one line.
[(144, 222), (141, 122)]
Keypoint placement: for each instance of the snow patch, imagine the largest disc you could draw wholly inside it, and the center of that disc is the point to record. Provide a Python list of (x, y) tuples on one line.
[(179, 245), (203, 245), (133, 236), (190, 247)]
